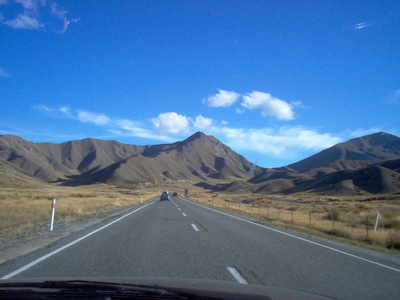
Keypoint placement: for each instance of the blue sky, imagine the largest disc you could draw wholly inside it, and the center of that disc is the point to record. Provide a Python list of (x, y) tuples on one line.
[(276, 81)]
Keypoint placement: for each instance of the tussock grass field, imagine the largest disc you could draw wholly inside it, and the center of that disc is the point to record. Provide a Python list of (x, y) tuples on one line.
[(347, 218), (23, 208)]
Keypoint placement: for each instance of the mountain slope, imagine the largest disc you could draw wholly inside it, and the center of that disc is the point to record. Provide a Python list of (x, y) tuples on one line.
[(377, 146), (50, 161), (13, 176), (382, 177), (90, 160), (197, 158), (365, 164)]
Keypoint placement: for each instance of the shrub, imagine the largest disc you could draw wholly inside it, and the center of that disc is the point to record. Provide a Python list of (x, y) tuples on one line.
[(391, 224), (334, 214), (393, 241)]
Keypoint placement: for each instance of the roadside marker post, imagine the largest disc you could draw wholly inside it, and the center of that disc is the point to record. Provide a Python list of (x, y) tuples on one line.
[(53, 207), (376, 221)]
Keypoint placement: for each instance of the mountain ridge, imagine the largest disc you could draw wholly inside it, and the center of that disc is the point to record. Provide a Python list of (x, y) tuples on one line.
[(368, 164), (345, 168), (91, 160)]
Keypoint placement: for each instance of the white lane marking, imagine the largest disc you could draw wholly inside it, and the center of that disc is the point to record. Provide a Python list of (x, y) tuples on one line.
[(237, 276), (184, 214), (195, 228), (300, 238), (179, 208), (26, 267)]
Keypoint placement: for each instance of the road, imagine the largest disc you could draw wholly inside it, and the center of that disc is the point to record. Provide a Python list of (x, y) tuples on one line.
[(181, 239)]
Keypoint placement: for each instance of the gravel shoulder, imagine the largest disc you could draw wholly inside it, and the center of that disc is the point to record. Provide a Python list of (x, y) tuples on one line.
[(20, 244)]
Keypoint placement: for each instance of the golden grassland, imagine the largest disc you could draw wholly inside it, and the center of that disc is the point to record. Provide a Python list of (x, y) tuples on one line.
[(349, 219), (24, 208)]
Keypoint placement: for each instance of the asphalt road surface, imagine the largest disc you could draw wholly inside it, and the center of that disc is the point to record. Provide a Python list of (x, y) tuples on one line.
[(181, 239)]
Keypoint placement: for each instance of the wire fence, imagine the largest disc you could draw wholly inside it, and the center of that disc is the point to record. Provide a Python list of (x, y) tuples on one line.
[(369, 226)]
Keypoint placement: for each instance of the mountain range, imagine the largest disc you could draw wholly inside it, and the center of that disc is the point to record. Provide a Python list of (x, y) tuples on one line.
[(368, 164)]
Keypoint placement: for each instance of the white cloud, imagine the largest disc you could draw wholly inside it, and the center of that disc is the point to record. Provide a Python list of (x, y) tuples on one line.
[(120, 127), (4, 73), (269, 105), (59, 13), (171, 122), (239, 111), (361, 132), (362, 25), (89, 117), (279, 143), (202, 122), (24, 21), (34, 11), (222, 99), (29, 19), (31, 4), (131, 128), (59, 112), (394, 97)]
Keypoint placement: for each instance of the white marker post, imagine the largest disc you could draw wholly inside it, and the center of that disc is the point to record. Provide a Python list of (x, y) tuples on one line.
[(53, 207), (376, 221)]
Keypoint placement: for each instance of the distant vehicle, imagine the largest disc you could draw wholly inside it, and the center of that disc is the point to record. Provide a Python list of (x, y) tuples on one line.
[(175, 194), (165, 196)]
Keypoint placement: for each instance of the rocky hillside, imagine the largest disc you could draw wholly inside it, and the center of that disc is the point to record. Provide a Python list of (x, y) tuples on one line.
[(369, 164), (366, 164), (90, 160)]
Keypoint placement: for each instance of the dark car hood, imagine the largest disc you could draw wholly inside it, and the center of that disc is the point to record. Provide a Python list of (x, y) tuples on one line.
[(199, 287)]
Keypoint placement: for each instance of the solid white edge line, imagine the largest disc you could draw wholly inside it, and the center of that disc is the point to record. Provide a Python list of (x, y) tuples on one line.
[(299, 238), (195, 228), (26, 267), (237, 276)]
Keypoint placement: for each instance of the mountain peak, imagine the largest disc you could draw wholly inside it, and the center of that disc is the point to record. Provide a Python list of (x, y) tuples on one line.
[(197, 135), (381, 139)]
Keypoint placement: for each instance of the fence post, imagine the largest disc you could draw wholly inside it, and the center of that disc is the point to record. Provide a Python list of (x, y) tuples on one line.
[(309, 217), (278, 213), (53, 207), (366, 226), (292, 216), (376, 221)]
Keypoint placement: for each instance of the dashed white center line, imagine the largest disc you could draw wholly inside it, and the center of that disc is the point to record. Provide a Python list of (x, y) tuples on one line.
[(237, 276), (184, 214), (195, 228), (179, 208)]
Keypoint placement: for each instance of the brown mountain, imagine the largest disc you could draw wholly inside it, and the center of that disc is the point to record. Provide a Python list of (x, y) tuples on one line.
[(198, 158), (87, 161), (366, 164), (353, 153), (50, 162)]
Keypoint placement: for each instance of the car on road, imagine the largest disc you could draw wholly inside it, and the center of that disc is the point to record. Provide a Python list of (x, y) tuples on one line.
[(175, 194), (165, 196)]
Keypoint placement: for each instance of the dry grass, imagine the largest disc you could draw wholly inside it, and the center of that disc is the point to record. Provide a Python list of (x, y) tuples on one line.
[(25, 208), (346, 218)]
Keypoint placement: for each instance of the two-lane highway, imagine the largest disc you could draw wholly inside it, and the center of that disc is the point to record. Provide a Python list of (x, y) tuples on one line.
[(181, 239)]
